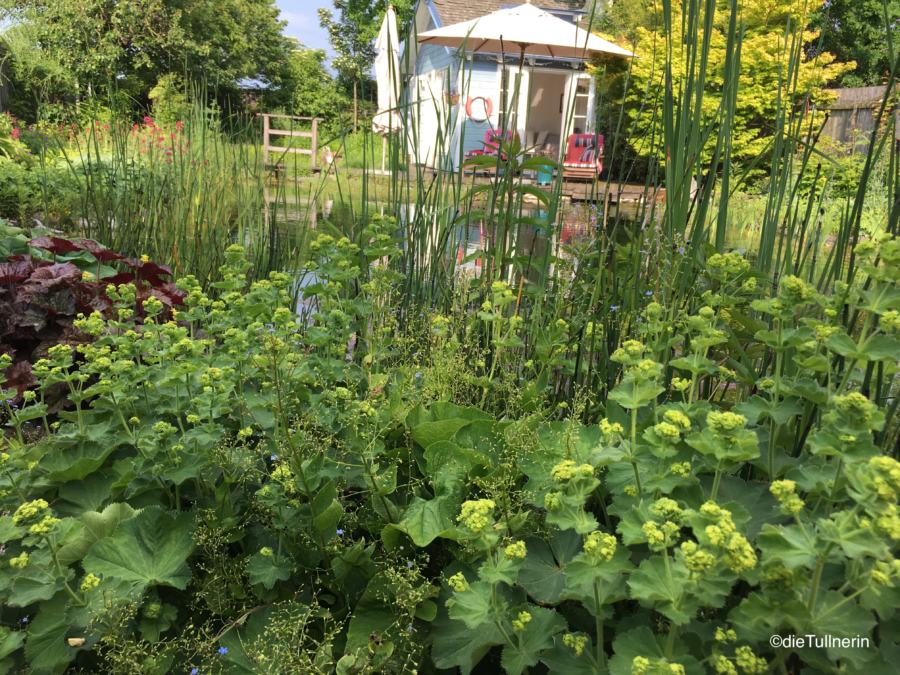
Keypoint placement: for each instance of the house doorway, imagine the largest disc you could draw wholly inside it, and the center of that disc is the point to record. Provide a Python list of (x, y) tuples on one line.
[(546, 110)]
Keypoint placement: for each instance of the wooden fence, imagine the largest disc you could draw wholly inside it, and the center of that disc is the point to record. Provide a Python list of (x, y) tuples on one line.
[(851, 116), (313, 134)]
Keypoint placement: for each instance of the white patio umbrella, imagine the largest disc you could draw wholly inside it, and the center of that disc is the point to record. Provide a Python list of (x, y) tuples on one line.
[(387, 75), (524, 29)]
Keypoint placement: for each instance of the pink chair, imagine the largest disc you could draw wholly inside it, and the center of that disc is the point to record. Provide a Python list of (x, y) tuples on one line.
[(584, 156), (491, 143)]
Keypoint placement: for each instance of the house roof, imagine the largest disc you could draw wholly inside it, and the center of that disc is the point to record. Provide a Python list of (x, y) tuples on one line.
[(455, 11)]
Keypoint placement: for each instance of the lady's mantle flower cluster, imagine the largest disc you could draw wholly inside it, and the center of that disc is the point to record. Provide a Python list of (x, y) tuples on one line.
[(878, 483), (641, 665), (516, 550), (576, 643), (521, 621), (599, 546), (661, 535), (36, 516), (610, 430), (722, 534), (785, 492), (673, 425), (745, 661), (90, 582), (725, 424), (476, 515), (458, 582), (727, 266), (567, 470)]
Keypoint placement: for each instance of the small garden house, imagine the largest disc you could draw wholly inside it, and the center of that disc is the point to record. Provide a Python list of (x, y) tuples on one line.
[(457, 96)]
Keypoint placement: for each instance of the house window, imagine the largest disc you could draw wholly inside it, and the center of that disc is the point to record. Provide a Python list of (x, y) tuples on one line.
[(580, 121)]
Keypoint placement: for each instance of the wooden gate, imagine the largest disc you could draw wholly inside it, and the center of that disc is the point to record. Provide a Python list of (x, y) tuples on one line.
[(313, 134)]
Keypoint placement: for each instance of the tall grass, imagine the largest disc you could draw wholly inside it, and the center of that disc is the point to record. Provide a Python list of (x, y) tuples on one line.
[(179, 194), (655, 253)]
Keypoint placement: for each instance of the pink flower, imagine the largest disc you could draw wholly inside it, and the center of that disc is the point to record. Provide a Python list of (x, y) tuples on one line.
[(15, 133), (148, 120), (179, 125)]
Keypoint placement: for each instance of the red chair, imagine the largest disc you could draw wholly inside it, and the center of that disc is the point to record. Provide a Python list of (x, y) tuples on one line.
[(584, 156), (491, 143)]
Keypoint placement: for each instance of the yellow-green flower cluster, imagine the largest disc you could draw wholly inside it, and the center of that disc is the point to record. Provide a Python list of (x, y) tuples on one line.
[(567, 469), (576, 643), (521, 621), (44, 525), (697, 559), (793, 290), (723, 665), (726, 266), (853, 407), (629, 353), (552, 500), (888, 521), (885, 572), (92, 325), (19, 562), (785, 492), (725, 423), (682, 469), (31, 512), (677, 418), (660, 536), (667, 509), (668, 431), (458, 582), (600, 546), (738, 553), (885, 475), (748, 662), (681, 384), (640, 665), (516, 550), (725, 635), (610, 429), (476, 514), (90, 582), (890, 322)]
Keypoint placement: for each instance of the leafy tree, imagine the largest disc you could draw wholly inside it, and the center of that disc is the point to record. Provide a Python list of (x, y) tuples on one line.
[(308, 88), (352, 29), (855, 30), (135, 43), (764, 64)]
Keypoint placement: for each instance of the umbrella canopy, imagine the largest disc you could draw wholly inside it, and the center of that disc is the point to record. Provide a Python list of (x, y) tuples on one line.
[(387, 74), (523, 29)]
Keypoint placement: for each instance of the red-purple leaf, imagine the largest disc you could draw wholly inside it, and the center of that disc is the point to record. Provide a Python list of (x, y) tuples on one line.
[(50, 276), (14, 272), (54, 244), (19, 375), (99, 251)]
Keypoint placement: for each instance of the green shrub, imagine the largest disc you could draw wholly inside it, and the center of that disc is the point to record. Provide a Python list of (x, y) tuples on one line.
[(236, 478)]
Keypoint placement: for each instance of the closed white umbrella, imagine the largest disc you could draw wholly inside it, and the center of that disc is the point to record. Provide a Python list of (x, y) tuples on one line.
[(524, 29), (387, 75)]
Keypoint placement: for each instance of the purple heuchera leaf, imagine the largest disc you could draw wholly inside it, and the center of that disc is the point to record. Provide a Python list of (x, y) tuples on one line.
[(54, 244)]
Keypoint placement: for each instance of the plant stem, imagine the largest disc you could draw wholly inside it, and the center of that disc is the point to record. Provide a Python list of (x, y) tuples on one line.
[(598, 628)]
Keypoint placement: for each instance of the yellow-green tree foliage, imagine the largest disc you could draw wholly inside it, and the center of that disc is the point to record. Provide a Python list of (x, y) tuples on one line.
[(773, 34)]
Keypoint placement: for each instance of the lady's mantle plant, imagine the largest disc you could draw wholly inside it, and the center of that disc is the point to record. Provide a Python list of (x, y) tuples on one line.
[(231, 489)]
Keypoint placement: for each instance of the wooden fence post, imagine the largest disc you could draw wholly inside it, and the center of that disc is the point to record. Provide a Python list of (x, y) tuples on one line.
[(265, 141), (315, 144)]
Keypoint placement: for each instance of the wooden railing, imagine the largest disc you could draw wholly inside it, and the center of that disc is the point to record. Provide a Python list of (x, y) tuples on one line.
[(269, 131)]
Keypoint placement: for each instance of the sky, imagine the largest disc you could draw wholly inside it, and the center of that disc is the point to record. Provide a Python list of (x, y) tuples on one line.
[(303, 21)]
